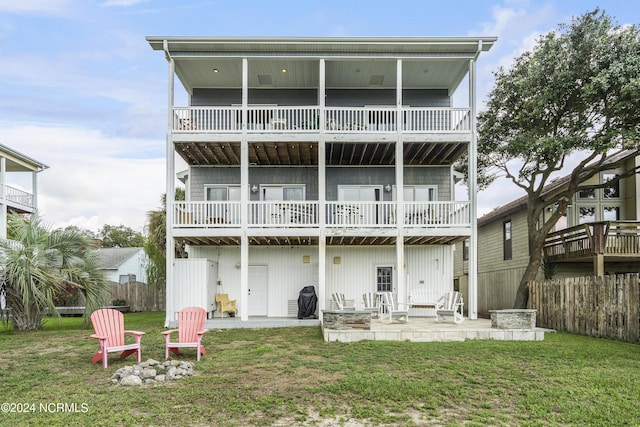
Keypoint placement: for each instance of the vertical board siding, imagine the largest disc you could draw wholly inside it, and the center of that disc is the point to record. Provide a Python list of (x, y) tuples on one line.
[(605, 307), (287, 274), (194, 285), (355, 275)]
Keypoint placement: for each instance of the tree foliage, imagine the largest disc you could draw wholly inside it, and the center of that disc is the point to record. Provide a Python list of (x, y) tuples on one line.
[(155, 244), (574, 94), (120, 236), (38, 264)]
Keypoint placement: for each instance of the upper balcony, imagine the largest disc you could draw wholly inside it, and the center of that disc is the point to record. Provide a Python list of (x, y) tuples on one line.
[(354, 135), (305, 119), (615, 240)]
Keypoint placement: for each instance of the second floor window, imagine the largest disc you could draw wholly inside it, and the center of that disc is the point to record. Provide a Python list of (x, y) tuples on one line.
[(586, 214), (506, 232), (282, 193), (223, 193), (612, 191), (587, 194), (611, 213)]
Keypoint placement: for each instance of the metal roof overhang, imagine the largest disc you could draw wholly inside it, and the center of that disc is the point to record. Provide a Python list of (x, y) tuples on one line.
[(18, 162)]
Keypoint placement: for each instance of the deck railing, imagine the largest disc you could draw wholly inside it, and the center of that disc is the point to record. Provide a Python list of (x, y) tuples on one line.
[(19, 196), (306, 119), (612, 237), (307, 214)]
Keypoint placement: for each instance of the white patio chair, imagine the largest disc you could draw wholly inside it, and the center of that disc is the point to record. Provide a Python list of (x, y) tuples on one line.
[(370, 300), (390, 309), (341, 303), (450, 304)]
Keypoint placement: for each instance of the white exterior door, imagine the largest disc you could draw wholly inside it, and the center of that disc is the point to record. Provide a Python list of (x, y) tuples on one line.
[(257, 290)]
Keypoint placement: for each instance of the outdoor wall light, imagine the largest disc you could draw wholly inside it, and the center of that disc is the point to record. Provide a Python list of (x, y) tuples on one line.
[(254, 188), (387, 188)]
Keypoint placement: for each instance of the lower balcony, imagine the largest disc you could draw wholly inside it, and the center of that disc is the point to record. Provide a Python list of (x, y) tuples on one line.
[(612, 239)]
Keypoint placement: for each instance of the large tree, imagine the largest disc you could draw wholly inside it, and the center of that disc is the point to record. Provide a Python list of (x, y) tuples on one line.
[(575, 94), (37, 264), (120, 236)]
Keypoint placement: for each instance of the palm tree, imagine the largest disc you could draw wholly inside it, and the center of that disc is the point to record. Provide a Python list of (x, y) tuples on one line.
[(156, 241), (39, 263)]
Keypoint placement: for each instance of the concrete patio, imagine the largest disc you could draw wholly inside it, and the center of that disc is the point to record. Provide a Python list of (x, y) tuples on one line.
[(418, 329), (426, 329)]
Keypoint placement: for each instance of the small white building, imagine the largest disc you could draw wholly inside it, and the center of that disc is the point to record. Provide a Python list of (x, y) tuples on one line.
[(124, 265)]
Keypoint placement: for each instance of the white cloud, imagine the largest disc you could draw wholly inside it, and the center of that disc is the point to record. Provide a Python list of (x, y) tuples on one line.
[(45, 7), (124, 3), (92, 179)]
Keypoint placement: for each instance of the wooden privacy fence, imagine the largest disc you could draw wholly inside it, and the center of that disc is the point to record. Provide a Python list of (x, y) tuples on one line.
[(139, 296), (605, 307)]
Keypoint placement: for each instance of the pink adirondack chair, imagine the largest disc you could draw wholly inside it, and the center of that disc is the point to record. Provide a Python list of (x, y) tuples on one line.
[(190, 331), (108, 325)]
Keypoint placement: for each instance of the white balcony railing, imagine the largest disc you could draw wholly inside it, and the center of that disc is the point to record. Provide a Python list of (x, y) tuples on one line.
[(207, 214), (19, 196), (283, 214), (307, 214), (302, 119), (361, 214)]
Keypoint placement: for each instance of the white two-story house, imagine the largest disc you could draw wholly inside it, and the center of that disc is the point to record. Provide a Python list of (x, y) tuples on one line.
[(317, 161)]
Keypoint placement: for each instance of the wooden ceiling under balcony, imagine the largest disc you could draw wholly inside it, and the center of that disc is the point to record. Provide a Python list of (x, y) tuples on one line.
[(313, 241), (306, 153)]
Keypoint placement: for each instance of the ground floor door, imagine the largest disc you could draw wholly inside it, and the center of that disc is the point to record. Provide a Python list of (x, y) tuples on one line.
[(257, 290)]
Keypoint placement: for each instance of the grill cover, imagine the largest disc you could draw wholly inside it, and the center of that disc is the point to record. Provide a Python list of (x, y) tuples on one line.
[(307, 302)]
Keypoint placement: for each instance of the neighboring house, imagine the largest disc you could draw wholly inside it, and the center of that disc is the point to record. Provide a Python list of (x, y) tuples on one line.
[(13, 199), (317, 161), (597, 235), (124, 265)]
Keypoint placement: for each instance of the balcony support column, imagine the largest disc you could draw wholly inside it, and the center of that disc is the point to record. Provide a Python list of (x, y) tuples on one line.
[(400, 273), (322, 189), (472, 298), (170, 198), (598, 265), (322, 269), (244, 198)]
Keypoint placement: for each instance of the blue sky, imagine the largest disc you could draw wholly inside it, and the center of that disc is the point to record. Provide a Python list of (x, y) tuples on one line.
[(84, 93)]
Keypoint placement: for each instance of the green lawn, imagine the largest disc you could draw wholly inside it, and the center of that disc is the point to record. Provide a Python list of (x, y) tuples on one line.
[(290, 376)]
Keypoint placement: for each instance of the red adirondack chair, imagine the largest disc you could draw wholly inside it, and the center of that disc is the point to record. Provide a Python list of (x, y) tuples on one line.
[(190, 331), (108, 325)]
